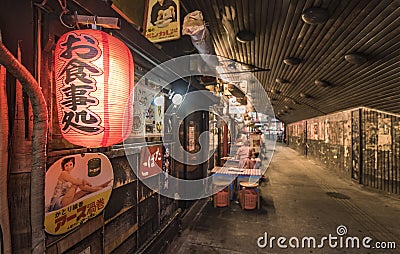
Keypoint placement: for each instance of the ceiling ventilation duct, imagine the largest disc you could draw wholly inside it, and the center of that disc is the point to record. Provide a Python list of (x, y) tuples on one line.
[(195, 27)]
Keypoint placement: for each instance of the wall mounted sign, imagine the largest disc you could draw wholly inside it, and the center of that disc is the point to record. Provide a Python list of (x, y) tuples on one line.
[(166, 166), (150, 161), (148, 118), (191, 137), (94, 79), (163, 20), (77, 189)]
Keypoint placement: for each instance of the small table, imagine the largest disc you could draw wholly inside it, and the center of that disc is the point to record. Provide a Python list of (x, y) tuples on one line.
[(250, 185)]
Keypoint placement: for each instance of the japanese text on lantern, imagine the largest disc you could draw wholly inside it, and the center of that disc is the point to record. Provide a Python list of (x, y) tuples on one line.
[(78, 53)]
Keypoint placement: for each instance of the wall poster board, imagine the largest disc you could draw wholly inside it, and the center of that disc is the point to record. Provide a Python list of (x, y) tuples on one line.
[(77, 188), (162, 20), (255, 142), (148, 118), (384, 133)]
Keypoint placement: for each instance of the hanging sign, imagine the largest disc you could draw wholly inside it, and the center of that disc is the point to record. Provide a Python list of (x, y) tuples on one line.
[(166, 166), (150, 161), (163, 20), (94, 79), (77, 188), (191, 137)]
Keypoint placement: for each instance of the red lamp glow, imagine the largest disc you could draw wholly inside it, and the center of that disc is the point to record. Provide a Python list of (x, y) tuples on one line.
[(94, 80)]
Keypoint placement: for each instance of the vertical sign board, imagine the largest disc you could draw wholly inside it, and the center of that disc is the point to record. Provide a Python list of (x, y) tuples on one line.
[(163, 20), (150, 161), (77, 188), (166, 166), (191, 137)]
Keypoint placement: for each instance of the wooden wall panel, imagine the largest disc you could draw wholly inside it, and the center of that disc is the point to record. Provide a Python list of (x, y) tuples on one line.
[(361, 144)]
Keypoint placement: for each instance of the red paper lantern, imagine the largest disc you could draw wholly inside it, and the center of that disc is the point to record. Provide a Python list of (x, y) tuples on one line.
[(94, 80)]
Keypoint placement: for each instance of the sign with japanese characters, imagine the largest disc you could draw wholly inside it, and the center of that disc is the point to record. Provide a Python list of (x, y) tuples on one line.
[(151, 161), (94, 79), (77, 188), (166, 166), (163, 20)]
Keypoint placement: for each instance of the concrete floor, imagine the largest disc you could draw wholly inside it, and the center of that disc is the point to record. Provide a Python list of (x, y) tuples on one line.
[(299, 199)]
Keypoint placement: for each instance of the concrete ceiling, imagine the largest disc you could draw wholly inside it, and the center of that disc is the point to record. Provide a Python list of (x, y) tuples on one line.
[(367, 27)]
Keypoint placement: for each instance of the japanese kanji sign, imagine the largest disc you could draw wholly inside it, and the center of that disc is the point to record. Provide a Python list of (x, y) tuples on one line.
[(163, 20), (151, 161), (94, 79), (77, 188)]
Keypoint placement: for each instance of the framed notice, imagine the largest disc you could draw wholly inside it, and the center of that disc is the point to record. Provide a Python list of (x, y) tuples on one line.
[(162, 20), (77, 188)]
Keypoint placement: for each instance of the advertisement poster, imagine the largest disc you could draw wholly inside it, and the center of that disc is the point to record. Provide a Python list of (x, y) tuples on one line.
[(77, 188), (148, 118), (315, 131), (163, 20), (255, 142), (384, 134), (150, 161)]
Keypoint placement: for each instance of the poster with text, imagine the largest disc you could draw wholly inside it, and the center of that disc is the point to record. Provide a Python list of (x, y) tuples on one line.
[(163, 20), (166, 166), (148, 118), (77, 188), (151, 161)]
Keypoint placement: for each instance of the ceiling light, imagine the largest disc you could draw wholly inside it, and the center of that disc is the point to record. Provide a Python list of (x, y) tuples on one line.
[(291, 61), (303, 95), (355, 58), (315, 15), (177, 99), (322, 83), (245, 36), (159, 100), (274, 91), (281, 80)]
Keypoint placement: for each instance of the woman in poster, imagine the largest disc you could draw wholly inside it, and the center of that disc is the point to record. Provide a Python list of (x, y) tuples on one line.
[(66, 189)]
